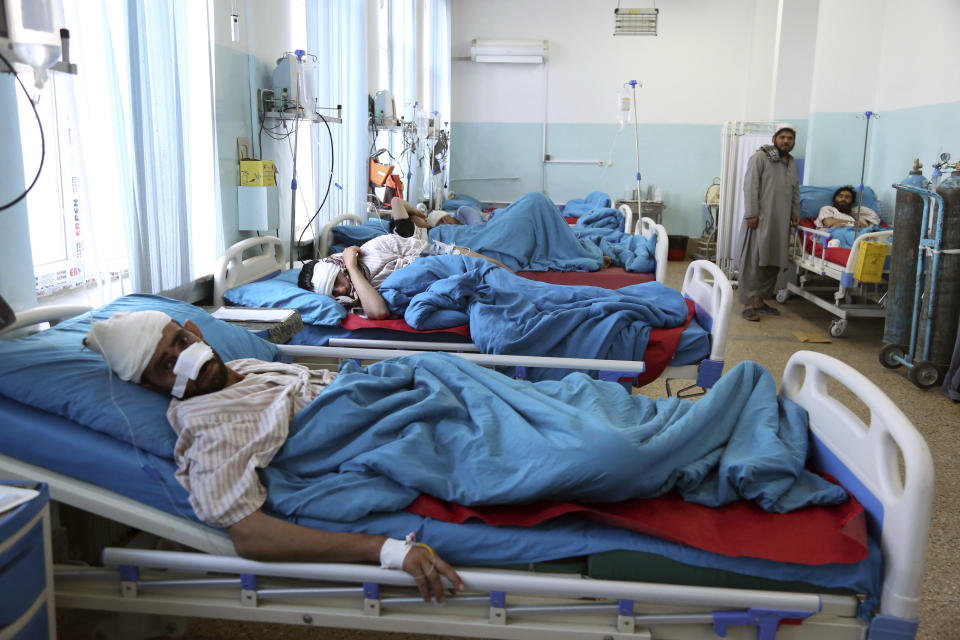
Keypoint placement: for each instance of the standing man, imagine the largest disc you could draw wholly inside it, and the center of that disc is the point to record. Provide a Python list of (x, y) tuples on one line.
[(771, 192)]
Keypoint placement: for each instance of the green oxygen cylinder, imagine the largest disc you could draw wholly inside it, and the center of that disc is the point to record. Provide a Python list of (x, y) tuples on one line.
[(945, 314), (902, 286)]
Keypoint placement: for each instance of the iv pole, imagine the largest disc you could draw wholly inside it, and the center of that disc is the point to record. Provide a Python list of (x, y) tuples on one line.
[(636, 137), (863, 168)]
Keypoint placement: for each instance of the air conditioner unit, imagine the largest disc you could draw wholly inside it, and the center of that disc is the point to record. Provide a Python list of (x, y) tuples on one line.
[(509, 51)]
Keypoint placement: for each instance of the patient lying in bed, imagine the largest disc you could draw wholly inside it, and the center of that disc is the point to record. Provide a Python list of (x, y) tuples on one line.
[(231, 420), (354, 276)]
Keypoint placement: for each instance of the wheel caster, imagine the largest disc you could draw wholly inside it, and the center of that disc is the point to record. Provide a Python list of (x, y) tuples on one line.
[(837, 327), (887, 355), (782, 296), (925, 374)]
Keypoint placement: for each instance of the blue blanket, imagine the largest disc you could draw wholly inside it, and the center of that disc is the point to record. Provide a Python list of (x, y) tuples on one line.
[(514, 315), (634, 253), (581, 206), (846, 235), (438, 424), (601, 218), (529, 234)]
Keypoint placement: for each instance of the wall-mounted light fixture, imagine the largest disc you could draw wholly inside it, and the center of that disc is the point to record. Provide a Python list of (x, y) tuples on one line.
[(635, 22), (509, 51)]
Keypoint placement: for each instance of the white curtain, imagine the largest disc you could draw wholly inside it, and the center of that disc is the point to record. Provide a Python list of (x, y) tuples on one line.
[(336, 33), (740, 140), (135, 152), (436, 71)]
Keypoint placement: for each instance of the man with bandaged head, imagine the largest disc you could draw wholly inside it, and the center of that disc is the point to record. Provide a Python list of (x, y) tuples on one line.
[(231, 419)]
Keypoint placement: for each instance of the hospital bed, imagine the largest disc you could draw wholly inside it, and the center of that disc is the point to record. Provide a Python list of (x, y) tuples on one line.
[(815, 263), (498, 603), (610, 278), (255, 259)]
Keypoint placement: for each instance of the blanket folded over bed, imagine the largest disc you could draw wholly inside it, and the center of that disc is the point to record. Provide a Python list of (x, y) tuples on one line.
[(512, 315), (528, 234), (438, 424)]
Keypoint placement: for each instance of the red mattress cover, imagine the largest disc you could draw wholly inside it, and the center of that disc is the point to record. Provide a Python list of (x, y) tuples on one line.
[(609, 278), (353, 322), (812, 536)]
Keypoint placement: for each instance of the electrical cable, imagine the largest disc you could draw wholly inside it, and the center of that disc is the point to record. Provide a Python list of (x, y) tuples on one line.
[(329, 182), (43, 145)]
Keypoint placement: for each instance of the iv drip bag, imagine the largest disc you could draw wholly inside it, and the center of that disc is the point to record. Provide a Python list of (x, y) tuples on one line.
[(624, 106)]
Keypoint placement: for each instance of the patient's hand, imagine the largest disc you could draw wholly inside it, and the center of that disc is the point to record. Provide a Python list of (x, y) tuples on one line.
[(427, 570), (607, 262), (351, 255)]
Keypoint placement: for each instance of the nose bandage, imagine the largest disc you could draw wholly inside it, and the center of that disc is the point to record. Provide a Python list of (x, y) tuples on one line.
[(188, 366)]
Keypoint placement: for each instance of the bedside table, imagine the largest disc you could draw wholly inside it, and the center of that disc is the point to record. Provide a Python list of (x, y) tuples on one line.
[(26, 568), (273, 325)]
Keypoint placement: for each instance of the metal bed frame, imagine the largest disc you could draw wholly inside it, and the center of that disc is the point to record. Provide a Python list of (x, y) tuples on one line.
[(512, 604), (851, 299)]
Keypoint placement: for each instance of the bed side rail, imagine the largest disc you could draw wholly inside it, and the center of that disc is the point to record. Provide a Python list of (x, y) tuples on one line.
[(705, 284), (324, 248), (52, 313), (549, 362), (233, 270), (870, 454), (628, 226), (647, 227)]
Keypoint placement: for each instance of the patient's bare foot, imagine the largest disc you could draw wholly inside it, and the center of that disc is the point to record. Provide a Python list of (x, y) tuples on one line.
[(607, 262)]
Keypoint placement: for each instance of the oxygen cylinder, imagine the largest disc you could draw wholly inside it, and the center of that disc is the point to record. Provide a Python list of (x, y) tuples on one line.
[(902, 286), (946, 312)]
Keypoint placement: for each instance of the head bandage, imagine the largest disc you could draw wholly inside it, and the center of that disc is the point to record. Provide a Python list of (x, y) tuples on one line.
[(127, 341), (434, 218), (324, 275), (188, 366), (787, 126)]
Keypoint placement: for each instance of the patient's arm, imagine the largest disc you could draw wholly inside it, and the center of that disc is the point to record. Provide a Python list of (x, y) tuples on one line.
[(265, 538), (370, 299)]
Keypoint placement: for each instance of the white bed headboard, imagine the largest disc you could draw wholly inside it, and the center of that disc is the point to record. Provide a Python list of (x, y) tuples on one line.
[(705, 284), (647, 227), (628, 226), (233, 269), (870, 454), (323, 249)]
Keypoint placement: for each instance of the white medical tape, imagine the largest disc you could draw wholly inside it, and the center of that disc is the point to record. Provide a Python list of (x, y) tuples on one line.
[(188, 366), (393, 552)]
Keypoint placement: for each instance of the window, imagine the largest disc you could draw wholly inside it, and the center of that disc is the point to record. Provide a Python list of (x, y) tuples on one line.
[(83, 207)]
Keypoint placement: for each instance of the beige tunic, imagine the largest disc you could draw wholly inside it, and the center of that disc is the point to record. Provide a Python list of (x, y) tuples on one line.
[(866, 214), (224, 437), (771, 191)]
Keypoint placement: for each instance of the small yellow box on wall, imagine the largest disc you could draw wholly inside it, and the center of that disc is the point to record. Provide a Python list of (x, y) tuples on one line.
[(870, 261), (256, 173)]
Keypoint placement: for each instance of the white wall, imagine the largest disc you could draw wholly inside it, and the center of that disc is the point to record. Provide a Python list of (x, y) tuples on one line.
[(796, 49), (918, 64), (692, 72), (847, 55)]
